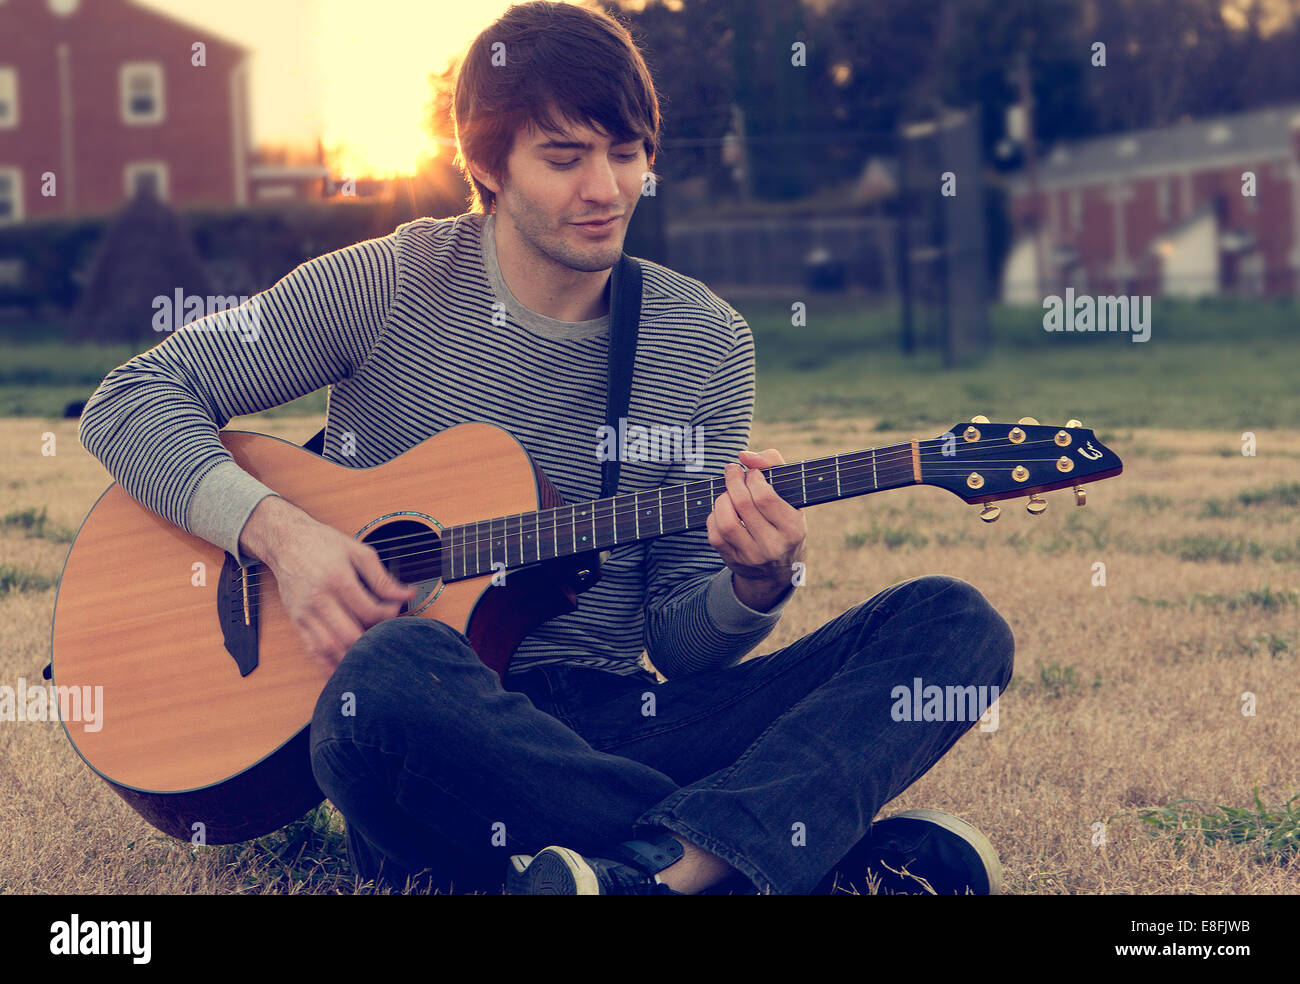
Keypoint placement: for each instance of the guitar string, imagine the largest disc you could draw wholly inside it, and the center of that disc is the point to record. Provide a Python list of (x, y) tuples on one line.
[(571, 525), (237, 602), (573, 522)]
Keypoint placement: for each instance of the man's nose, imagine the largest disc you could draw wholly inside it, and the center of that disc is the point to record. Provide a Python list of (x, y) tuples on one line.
[(600, 183)]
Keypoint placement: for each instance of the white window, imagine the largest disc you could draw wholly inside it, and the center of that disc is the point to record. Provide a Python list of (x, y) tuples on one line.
[(142, 93), (8, 98), (148, 177), (11, 195)]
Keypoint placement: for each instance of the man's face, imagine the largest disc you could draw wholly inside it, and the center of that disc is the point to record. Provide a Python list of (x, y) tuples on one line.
[(554, 183)]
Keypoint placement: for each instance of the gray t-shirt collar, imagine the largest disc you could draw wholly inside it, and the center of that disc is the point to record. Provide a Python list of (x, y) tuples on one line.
[(537, 323)]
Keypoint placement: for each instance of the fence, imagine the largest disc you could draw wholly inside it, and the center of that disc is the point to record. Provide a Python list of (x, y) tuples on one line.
[(775, 251)]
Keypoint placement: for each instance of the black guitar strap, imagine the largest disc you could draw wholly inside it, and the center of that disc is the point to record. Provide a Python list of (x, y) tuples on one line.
[(624, 322)]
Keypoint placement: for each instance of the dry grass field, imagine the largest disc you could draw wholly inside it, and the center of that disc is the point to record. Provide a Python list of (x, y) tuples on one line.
[(1126, 708)]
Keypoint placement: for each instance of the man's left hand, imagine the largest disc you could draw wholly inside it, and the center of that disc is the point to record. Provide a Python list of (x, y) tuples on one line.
[(758, 534)]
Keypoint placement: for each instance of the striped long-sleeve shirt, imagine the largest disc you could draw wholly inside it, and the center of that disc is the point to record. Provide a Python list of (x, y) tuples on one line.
[(415, 332)]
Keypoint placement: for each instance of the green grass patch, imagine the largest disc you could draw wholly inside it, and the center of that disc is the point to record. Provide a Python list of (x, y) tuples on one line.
[(1200, 372), (34, 522), (1265, 599), (1271, 833), (1054, 680), (890, 537), (1148, 503), (1201, 548), (1262, 644), (14, 579), (307, 855), (1209, 365), (1282, 495)]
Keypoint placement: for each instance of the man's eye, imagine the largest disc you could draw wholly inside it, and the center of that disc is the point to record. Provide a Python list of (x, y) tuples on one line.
[(563, 165)]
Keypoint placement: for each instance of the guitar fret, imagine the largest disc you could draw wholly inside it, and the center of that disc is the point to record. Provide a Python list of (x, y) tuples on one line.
[(838, 491), (874, 480), (803, 478), (636, 513)]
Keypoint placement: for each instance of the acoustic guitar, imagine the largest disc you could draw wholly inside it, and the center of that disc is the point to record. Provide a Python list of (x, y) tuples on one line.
[(207, 695)]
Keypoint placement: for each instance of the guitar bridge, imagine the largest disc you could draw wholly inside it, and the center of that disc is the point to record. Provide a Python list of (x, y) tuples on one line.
[(237, 594)]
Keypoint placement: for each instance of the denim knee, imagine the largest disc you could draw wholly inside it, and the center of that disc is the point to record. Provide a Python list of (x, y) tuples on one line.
[(987, 623), (385, 669), (996, 654)]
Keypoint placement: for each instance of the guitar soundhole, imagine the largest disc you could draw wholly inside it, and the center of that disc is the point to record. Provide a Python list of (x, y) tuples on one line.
[(412, 552)]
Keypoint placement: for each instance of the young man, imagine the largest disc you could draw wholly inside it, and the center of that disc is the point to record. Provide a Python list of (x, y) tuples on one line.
[(582, 774)]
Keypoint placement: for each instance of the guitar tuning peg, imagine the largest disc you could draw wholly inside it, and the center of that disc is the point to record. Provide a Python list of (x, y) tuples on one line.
[(1073, 423), (1027, 420), (979, 418), (990, 513), (1036, 505), (1080, 496)]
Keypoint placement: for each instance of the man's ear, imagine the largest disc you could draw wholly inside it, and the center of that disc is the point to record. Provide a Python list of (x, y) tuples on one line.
[(484, 177)]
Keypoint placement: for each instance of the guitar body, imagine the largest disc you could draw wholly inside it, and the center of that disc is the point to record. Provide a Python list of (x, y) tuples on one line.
[(186, 737)]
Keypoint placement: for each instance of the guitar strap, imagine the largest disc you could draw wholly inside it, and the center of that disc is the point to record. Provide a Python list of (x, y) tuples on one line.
[(624, 322)]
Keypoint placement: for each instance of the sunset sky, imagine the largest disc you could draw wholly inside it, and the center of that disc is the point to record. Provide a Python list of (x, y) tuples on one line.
[(355, 74)]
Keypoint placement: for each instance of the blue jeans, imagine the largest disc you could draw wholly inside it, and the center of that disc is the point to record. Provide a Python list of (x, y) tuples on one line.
[(777, 765)]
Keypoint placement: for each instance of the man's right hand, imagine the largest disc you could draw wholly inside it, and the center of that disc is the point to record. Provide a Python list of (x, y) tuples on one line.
[(332, 586)]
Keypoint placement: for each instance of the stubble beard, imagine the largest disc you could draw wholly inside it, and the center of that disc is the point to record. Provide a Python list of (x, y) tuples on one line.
[(534, 227)]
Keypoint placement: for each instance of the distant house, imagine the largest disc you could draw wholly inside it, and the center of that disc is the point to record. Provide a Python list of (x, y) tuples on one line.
[(99, 98), (1163, 212)]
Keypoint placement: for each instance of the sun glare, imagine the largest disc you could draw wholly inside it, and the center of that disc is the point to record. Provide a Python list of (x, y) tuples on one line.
[(354, 76), (376, 96)]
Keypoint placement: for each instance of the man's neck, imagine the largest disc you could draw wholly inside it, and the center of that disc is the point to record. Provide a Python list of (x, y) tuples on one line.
[(544, 286)]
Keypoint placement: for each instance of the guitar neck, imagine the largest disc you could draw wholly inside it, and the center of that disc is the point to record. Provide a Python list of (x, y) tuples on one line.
[(490, 545)]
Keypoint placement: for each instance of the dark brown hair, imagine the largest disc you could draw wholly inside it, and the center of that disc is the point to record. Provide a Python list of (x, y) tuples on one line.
[(541, 56)]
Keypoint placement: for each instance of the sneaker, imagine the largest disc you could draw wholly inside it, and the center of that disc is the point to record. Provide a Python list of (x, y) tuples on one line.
[(561, 871), (921, 852)]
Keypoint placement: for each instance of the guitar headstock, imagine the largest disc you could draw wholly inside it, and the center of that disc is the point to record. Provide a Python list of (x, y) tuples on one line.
[(981, 461)]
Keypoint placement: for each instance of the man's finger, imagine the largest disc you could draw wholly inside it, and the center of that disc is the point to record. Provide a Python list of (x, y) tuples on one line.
[(377, 577)]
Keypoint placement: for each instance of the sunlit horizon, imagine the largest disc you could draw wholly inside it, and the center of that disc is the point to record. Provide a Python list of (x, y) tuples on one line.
[(356, 78)]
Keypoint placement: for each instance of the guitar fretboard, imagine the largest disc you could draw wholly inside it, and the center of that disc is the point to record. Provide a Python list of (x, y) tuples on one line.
[(484, 547)]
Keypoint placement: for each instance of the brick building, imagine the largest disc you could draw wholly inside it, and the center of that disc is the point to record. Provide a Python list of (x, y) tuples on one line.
[(1164, 212), (101, 97)]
